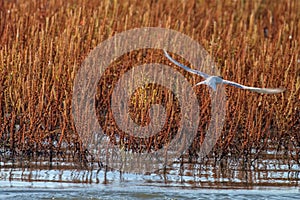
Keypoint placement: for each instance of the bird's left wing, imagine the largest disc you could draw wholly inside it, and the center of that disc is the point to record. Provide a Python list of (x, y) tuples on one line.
[(204, 75)]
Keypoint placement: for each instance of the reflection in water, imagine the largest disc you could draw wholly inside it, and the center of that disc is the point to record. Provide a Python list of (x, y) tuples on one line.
[(181, 180)]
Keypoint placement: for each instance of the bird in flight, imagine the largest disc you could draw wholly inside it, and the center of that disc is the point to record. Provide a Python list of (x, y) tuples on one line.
[(213, 81)]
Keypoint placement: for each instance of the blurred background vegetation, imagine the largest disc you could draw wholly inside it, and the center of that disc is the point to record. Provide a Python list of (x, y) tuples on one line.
[(42, 44)]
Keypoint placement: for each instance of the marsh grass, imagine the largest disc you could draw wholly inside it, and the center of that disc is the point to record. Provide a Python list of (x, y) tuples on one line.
[(43, 44)]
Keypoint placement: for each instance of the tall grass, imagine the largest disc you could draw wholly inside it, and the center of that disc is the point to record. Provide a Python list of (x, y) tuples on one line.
[(44, 42)]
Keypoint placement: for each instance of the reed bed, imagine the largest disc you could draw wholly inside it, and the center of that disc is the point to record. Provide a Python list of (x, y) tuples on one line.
[(43, 43)]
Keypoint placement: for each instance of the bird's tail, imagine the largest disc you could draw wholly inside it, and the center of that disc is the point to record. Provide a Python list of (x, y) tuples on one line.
[(200, 83)]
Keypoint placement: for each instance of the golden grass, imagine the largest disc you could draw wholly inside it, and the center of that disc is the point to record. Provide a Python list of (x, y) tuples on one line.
[(42, 45)]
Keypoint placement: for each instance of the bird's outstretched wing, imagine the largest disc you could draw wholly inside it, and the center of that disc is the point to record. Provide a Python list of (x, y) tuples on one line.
[(255, 89), (204, 75)]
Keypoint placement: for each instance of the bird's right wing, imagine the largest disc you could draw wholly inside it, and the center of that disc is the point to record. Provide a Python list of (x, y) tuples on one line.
[(202, 74), (255, 89)]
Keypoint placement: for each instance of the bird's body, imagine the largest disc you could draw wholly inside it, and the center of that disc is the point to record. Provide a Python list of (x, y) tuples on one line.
[(213, 81)]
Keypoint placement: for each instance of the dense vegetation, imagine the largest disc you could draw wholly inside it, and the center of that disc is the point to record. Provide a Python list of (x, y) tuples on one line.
[(42, 44)]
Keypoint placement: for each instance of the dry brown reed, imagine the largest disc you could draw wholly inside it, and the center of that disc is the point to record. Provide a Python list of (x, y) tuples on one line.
[(44, 42)]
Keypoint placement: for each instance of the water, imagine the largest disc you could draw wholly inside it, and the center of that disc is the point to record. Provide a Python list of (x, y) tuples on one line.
[(136, 192), (270, 178), (126, 186), (17, 183)]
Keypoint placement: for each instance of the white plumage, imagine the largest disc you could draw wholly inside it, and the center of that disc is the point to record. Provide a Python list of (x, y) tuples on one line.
[(213, 81)]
